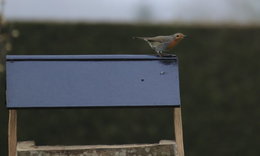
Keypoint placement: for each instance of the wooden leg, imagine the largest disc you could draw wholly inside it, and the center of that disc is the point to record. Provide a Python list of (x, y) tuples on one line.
[(178, 130), (12, 132)]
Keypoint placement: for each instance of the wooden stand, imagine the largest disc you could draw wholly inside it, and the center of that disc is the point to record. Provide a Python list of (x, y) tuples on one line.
[(12, 132), (162, 83)]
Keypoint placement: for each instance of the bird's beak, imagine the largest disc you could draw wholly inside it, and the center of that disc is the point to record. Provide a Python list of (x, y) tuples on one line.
[(185, 36)]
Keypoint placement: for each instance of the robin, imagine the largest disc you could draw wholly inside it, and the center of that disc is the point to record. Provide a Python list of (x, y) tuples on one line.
[(163, 43)]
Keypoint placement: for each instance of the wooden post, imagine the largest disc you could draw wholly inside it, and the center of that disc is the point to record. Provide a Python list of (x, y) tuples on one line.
[(12, 132), (178, 130)]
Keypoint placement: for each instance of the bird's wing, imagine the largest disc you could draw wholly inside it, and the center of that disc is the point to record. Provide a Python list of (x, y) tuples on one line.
[(160, 39), (160, 47)]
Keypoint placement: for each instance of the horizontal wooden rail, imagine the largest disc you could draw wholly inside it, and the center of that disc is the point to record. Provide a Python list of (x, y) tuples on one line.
[(164, 148)]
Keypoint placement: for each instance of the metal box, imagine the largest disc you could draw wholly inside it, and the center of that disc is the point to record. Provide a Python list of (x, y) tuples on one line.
[(91, 81)]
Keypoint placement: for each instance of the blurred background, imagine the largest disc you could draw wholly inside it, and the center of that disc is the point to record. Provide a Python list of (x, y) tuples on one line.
[(219, 70)]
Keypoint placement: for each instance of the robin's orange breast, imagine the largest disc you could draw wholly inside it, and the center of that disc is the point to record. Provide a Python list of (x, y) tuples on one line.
[(172, 44)]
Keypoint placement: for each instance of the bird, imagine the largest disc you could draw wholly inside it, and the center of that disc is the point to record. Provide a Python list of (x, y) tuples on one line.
[(163, 43)]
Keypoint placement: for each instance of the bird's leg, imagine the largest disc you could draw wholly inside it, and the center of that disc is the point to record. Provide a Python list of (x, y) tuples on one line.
[(160, 54)]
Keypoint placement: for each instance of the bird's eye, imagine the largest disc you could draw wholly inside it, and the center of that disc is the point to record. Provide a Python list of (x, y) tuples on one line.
[(177, 36)]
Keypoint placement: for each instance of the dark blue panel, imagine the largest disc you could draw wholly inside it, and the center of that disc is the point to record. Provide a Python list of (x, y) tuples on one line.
[(91, 80)]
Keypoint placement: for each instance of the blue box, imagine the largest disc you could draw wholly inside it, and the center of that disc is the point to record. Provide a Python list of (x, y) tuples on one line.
[(35, 81)]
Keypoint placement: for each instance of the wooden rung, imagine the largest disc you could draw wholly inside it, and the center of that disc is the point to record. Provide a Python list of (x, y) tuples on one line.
[(12, 132), (163, 148), (178, 131)]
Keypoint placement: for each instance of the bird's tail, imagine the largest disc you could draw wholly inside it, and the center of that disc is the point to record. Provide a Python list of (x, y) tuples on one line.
[(142, 38)]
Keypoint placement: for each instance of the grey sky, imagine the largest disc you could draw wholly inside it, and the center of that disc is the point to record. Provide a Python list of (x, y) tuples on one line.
[(168, 11)]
